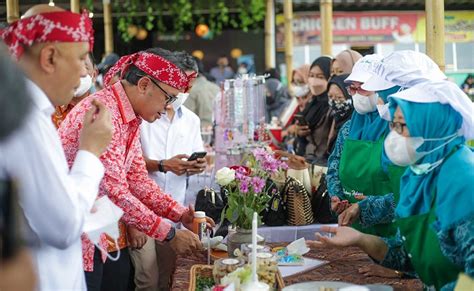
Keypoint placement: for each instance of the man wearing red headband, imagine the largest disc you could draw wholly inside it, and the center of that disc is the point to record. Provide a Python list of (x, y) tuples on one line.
[(148, 83), (50, 45)]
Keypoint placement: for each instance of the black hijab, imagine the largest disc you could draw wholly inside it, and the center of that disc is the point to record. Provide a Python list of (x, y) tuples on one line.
[(339, 82), (318, 107)]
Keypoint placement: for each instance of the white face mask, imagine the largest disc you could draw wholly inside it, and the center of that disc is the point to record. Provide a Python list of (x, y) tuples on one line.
[(402, 151), (384, 111), (300, 91), (86, 84), (242, 71), (104, 220), (364, 104), (182, 97)]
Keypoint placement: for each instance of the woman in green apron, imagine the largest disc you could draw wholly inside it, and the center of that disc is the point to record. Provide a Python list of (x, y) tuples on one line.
[(435, 217), (363, 165), (357, 166)]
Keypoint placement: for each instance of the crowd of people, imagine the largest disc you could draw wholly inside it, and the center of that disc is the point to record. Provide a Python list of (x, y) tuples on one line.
[(82, 142)]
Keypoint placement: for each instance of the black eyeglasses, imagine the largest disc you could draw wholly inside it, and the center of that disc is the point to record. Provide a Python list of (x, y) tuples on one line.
[(169, 98), (397, 126)]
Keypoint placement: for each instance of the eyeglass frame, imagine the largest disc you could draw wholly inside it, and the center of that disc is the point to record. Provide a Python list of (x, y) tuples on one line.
[(350, 89), (169, 98), (397, 126)]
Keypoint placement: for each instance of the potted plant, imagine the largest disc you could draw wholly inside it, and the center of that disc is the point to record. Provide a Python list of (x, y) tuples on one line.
[(247, 192)]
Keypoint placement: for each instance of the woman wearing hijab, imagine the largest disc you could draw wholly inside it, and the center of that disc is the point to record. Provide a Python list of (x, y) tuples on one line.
[(340, 103), (434, 216), (355, 165), (344, 61), (300, 87), (277, 98), (312, 138)]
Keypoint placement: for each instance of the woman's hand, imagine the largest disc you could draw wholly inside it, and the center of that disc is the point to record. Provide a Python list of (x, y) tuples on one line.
[(338, 237), (338, 206), (350, 215)]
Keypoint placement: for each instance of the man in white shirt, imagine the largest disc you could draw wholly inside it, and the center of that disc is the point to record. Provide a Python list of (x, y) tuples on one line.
[(166, 143), (51, 45)]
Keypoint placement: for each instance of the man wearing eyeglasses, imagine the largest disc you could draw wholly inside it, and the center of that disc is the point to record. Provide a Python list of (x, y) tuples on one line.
[(149, 81)]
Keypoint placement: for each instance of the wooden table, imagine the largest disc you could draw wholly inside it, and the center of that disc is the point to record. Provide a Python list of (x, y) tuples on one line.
[(343, 266)]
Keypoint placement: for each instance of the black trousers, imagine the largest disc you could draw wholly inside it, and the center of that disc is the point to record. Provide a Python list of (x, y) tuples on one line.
[(110, 276)]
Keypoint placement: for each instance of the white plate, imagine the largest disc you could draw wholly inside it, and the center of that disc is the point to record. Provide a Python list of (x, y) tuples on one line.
[(314, 286)]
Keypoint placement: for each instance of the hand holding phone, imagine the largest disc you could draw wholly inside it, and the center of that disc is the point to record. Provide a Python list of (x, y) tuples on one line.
[(301, 120), (197, 155)]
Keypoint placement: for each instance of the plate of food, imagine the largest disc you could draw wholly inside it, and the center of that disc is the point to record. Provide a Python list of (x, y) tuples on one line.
[(322, 286)]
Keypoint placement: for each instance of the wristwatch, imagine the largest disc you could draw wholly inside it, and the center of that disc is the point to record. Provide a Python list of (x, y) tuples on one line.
[(171, 234), (161, 166)]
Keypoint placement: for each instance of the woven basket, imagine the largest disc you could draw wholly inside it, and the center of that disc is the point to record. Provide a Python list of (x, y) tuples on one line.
[(206, 271), (298, 203)]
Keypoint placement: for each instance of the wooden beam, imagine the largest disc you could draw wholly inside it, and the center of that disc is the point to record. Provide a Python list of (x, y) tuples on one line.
[(288, 12), (13, 11), (75, 6), (435, 31), (270, 35), (108, 29), (326, 27)]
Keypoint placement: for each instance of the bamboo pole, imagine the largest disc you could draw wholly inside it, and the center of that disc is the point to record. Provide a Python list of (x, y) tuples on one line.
[(435, 31), (75, 6), (13, 11), (108, 30), (288, 11), (325, 7), (270, 35)]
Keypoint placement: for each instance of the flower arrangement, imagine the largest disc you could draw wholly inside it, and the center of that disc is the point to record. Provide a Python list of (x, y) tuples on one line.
[(247, 186)]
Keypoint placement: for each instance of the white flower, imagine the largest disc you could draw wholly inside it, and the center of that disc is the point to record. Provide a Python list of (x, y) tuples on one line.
[(225, 176)]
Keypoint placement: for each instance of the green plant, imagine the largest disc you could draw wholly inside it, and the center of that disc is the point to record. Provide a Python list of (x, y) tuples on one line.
[(247, 186), (186, 15)]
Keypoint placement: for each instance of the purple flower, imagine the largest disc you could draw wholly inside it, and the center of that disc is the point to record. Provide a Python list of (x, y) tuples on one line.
[(244, 185), (258, 184)]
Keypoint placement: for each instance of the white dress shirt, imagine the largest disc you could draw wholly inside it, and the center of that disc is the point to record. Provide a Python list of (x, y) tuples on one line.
[(54, 199), (164, 139)]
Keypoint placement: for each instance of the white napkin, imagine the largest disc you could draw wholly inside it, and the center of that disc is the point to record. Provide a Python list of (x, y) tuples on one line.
[(298, 247)]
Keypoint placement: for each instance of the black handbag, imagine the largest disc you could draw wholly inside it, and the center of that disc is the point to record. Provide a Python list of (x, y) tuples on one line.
[(321, 203), (275, 214), (211, 202)]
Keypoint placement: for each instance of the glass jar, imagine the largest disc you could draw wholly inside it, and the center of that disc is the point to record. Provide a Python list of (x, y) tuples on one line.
[(247, 250), (267, 268), (222, 267)]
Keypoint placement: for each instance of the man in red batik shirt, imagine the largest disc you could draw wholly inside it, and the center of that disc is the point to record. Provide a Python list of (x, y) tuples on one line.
[(149, 82)]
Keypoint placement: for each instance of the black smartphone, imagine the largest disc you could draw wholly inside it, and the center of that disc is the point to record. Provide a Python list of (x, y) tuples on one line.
[(301, 119), (197, 155)]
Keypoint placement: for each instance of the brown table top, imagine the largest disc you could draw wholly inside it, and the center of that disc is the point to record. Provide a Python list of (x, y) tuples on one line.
[(343, 266)]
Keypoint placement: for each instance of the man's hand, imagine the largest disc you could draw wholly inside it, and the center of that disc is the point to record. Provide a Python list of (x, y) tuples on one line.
[(188, 217), (136, 238), (350, 215), (302, 130), (185, 242), (339, 206), (178, 166), (97, 129), (198, 168)]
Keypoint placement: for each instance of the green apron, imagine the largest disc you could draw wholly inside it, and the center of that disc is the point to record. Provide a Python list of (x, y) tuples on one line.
[(360, 171), (422, 245)]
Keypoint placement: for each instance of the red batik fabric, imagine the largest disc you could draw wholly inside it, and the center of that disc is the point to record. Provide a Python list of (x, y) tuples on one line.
[(154, 66), (60, 26)]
